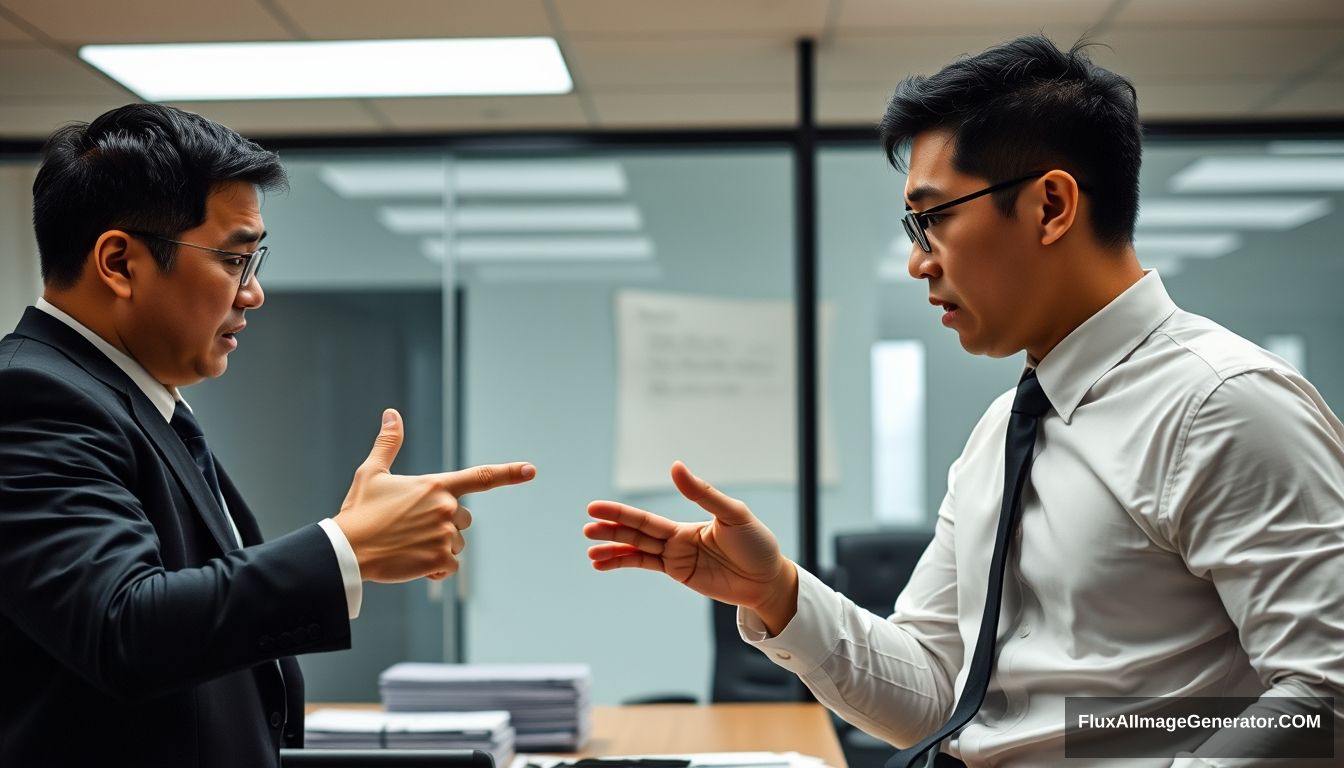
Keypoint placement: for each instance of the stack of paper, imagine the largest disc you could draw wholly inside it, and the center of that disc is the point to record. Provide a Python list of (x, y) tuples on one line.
[(549, 704), (366, 729)]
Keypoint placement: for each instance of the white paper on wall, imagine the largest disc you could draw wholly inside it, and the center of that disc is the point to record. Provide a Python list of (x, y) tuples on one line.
[(710, 381)]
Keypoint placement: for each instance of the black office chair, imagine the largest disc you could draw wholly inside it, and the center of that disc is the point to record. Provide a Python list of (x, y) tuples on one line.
[(742, 673), (871, 568)]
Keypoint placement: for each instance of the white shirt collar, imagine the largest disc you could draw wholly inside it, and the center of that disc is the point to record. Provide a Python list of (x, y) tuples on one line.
[(1102, 341), (164, 398)]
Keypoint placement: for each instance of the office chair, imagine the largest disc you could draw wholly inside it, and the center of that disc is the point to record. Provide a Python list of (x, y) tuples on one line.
[(742, 673), (871, 568)]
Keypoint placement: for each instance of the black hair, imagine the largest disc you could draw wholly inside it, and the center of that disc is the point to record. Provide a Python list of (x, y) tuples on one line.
[(1026, 106), (145, 167)]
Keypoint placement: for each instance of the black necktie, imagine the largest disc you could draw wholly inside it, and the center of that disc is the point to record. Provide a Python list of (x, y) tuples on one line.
[(189, 429), (1028, 407)]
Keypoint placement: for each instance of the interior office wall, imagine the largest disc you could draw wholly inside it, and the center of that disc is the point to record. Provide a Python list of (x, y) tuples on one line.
[(20, 276), (295, 414), (541, 386)]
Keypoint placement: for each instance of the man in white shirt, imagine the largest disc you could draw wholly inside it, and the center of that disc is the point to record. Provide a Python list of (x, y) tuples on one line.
[(1182, 529), (143, 621)]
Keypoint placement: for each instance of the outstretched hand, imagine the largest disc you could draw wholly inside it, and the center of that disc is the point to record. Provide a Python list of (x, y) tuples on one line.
[(402, 527), (732, 558)]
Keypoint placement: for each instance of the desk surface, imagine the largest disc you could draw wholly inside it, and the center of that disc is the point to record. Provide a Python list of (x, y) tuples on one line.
[(676, 728)]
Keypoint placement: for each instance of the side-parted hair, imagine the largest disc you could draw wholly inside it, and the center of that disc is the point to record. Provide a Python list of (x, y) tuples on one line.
[(145, 167), (1026, 106)]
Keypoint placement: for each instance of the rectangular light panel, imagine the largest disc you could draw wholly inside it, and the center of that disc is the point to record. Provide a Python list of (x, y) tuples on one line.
[(335, 69), (422, 220), (1260, 174), (1260, 213)]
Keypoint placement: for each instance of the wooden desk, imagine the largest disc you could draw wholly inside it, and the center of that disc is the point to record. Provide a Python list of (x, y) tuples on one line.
[(653, 729)]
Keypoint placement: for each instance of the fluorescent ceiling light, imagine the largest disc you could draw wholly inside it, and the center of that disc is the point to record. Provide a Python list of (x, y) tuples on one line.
[(533, 179), (335, 69), (412, 219), (423, 178), (1260, 174), (1306, 147), (1208, 245), (1239, 212), (422, 220), (505, 249), (416, 178), (553, 273), (552, 218)]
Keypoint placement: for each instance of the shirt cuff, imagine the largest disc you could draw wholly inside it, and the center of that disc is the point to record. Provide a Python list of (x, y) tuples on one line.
[(345, 558), (811, 635)]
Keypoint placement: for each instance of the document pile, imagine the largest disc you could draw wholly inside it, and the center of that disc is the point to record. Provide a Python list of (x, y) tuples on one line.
[(549, 704), (368, 729)]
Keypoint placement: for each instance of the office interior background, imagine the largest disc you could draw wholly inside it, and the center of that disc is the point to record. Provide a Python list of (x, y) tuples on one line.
[(605, 280)]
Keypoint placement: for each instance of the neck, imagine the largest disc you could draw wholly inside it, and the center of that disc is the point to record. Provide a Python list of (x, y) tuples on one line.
[(89, 311), (1095, 280)]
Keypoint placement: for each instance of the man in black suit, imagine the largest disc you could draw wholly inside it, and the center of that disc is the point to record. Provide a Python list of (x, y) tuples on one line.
[(142, 620)]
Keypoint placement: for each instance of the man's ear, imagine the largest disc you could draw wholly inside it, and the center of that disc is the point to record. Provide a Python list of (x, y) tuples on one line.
[(1056, 205), (113, 262)]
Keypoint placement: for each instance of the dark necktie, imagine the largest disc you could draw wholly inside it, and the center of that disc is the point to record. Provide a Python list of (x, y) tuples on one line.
[(189, 429), (1028, 407)]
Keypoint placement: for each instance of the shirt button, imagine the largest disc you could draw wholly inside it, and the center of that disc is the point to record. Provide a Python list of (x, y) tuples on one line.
[(1024, 631), (783, 656), (277, 719)]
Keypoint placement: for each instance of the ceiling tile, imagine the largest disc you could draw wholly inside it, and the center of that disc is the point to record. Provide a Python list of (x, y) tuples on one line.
[(28, 118), (868, 15), (624, 18), (288, 117), (150, 21), (34, 71), (852, 105), (1223, 52), (1315, 98), (501, 113), (602, 63), (9, 33), (889, 59), (324, 19), (765, 107), (1161, 98), (1207, 12)]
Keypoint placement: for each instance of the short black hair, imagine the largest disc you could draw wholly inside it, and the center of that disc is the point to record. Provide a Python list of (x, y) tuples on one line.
[(145, 167), (1026, 106)]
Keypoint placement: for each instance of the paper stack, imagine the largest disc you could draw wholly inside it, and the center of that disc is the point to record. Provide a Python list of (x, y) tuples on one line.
[(549, 704), (488, 731)]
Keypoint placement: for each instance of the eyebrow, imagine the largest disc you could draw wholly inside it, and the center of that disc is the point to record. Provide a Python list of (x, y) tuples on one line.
[(244, 236), (921, 192)]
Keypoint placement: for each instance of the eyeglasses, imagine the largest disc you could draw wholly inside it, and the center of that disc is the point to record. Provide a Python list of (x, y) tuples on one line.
[(915, 221), (250, 262)]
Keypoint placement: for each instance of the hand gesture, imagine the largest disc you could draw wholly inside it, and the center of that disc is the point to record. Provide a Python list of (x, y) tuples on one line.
[(732, 558), (403, 527)]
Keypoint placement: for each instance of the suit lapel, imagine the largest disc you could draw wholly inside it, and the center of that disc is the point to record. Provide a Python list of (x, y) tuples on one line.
[(44, 328), (242, 515)]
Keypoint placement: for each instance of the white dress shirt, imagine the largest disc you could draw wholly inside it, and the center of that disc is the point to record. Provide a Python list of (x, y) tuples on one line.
[(1182, 534), (165, 400)]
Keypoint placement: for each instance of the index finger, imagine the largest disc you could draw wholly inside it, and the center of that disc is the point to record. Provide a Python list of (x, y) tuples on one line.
[(486, 476)]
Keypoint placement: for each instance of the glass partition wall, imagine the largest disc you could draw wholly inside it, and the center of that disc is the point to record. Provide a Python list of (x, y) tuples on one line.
[(602, 312), (1245, 231)]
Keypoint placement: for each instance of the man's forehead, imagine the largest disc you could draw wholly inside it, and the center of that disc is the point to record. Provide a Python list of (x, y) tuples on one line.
[(930, 165)]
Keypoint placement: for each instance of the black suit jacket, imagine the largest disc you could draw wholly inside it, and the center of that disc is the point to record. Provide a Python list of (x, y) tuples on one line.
[(133, 631)]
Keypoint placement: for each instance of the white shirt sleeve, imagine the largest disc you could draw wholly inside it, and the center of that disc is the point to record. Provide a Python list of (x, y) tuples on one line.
[(345, 557), (869, 671), (1254, 506)]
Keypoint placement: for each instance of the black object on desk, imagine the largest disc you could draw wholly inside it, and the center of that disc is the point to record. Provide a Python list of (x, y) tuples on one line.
[(385, 758)]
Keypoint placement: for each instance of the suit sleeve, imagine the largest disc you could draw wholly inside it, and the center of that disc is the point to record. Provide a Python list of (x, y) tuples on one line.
[(81, 568)]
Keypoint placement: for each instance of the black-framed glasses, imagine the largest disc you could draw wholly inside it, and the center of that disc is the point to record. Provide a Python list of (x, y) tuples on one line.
[(915, 221), (251, 262)]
